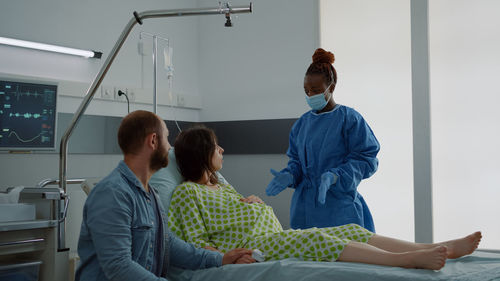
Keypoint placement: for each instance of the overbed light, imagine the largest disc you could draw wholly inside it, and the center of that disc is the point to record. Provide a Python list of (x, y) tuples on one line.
[(50, 48)]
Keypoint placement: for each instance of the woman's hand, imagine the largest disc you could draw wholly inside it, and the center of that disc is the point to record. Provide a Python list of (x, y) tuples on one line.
[(245, 259), (211, 249), (252, 199), (239, 256)]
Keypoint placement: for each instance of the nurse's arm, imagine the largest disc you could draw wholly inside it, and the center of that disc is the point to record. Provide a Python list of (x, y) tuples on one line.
[(293, 166), (361, 161)]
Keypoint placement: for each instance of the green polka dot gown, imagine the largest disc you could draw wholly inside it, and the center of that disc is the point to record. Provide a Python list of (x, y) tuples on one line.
[(217, 218)]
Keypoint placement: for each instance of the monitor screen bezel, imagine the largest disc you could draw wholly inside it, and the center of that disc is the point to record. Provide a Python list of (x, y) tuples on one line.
[(56, 137)]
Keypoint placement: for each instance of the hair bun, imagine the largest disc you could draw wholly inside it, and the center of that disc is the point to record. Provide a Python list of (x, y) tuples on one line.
[(322, 56)]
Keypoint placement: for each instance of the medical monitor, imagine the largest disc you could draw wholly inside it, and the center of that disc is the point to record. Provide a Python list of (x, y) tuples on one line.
[(27, 115)]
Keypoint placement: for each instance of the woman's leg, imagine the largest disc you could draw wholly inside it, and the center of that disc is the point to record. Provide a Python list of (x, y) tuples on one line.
[(433, 258), (396, 245), (456, 248), (463, 246), (307, 244)]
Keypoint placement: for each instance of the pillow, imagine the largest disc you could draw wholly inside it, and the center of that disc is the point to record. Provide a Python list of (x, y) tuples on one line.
[(168, 178)]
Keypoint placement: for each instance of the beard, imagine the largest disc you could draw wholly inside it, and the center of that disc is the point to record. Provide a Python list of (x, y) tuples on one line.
[(159, 159)]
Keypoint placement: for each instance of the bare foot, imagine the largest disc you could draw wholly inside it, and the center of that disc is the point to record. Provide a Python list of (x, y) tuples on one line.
[(463, 246), (433, 258)]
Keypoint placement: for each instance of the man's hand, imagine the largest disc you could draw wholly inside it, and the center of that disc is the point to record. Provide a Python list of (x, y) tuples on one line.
[(238, 255), (252, 199)]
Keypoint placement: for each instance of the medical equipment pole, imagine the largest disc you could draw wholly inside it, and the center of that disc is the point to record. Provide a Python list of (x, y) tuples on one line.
[(138, 18), (155, 71), (155, 65), (63, 153)]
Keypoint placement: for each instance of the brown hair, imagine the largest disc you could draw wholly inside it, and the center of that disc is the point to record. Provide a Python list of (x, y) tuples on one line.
[(194, 149), (134, 129), (322, 65)]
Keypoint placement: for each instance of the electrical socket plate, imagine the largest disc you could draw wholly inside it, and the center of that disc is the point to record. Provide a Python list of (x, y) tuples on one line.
[(107, 92), (130, 94), (181, 101)]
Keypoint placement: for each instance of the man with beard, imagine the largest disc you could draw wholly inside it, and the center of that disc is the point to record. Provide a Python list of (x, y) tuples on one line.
[(124, 233)]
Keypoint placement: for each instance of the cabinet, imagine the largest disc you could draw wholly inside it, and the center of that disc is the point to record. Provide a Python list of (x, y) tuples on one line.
[(26, 241)]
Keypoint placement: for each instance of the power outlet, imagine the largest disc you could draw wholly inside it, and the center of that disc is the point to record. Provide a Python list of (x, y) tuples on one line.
[(118, 97), (107, 92)]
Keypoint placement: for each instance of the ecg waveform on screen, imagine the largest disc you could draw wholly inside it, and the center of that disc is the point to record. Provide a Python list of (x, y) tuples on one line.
[(25, 115), (23, 140), (20, 94)]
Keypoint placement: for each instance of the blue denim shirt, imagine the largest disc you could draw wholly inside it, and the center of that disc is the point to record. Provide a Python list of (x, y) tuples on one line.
[(117, 237)]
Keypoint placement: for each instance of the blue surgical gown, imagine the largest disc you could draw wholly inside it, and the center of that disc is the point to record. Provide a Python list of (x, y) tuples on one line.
[(338, 141)]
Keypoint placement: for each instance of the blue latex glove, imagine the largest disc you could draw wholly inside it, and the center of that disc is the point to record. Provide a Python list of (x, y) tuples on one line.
[(327, 180), (281, 181)]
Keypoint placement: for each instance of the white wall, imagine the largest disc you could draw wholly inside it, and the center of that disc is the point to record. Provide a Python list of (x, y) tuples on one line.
[(96, 25), (255, 69), (371, 43), (465, 66)]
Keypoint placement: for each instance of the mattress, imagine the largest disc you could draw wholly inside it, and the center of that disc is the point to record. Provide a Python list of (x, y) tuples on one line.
[(478, 266)]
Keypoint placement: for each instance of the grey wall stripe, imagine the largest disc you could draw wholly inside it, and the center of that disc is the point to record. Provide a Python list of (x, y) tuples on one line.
[(254, 136), (97, 134)]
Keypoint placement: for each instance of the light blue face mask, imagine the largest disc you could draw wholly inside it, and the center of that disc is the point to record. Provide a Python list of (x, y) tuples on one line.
[(318, 102)]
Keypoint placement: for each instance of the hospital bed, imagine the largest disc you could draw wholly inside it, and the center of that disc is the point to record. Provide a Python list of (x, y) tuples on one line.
[(478, 266)]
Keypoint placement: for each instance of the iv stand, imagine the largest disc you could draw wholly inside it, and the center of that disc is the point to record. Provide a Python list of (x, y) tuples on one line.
[(155, 65), (138, 18)]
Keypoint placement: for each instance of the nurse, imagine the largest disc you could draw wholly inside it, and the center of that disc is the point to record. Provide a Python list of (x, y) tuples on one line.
[(331, 149)]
